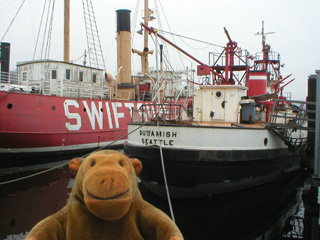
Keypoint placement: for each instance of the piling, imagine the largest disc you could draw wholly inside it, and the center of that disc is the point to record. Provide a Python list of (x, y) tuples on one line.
[(317, 131), (310, 197)]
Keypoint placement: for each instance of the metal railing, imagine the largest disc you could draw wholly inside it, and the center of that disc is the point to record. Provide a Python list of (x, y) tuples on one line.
[(290, 114), (9, 78), (291, 120), (158, 112), (56, 87)]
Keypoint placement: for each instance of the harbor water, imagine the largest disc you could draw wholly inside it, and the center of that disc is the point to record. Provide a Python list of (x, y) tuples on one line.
[(271, 211)]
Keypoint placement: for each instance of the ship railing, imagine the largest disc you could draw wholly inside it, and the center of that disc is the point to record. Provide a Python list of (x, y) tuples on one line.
[(292, 121), (8, 77), (79, 90), (56, 87), (291, 114), (164, 112), (273, 56), (11, 82)]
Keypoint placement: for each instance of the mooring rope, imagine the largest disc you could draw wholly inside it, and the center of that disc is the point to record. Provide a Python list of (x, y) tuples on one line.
[(164, 175), (33, 175), (5, 95), (12, 20), (61, 165)]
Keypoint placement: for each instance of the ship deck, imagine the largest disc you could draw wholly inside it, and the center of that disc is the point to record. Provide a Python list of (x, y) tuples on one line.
[(229, 124)]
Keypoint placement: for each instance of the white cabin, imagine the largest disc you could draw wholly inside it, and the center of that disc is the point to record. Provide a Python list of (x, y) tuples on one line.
[(58, 78), (218, 103)]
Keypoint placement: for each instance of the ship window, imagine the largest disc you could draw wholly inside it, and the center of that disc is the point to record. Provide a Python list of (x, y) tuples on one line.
[(223, 104), (94, 78), (81, 76), (24, 76), (53, 74), (68, 74), (218, 94), (265, 141)]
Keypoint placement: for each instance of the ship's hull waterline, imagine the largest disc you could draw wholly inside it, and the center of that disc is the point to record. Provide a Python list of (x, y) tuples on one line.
[(33, 125), (203, 160)]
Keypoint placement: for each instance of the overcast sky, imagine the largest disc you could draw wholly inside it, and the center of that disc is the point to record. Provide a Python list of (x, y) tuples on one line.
[(295, 24)]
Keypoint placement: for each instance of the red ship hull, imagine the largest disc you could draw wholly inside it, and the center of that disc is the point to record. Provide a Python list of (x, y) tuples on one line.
[(37, 125)]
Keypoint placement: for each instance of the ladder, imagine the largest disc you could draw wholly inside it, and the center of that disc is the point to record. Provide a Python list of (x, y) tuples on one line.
[(94, 46)]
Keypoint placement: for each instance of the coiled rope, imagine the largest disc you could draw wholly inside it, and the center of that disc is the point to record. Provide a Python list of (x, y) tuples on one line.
[(61, 165)]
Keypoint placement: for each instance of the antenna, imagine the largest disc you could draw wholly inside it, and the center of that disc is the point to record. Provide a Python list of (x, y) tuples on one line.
[(263, 35)]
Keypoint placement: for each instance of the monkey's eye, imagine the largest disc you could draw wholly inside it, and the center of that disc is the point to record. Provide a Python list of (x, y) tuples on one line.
[(121, 163), (93, 163)]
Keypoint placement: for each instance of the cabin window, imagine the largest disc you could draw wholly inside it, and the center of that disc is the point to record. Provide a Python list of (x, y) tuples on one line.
[(94, 78), (68, 71), (53, 74), (218, 94), (81, 76), (24, 76)]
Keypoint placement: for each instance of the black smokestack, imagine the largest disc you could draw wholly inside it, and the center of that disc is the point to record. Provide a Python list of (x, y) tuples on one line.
[(5, 57), (123, 20)]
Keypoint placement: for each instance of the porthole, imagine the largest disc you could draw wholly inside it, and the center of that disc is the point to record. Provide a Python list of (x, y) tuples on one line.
[(84, 109), (218, 94), (53, 108), (101, 109), (223, 104), (265, 141), (9, 106)]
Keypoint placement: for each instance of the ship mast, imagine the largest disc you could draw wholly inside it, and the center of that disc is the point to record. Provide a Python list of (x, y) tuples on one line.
[(66, 30), (265, 48), (147, 14), (144, 54)]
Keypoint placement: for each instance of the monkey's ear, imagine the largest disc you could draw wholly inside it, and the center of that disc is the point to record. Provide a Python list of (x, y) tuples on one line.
[(74, 165), (137, 165)]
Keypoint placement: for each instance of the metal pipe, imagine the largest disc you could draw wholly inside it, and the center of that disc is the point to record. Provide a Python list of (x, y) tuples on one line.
[(155, 31), (317, 129), (228, 36), (157, 67)]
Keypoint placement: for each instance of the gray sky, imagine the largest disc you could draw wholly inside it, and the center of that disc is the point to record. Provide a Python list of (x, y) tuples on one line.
[(295, 23)]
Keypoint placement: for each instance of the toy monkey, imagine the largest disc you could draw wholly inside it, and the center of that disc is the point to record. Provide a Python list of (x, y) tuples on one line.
[(106, 204)]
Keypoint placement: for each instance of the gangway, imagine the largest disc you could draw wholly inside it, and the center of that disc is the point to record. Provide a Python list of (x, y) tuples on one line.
[(291, 120)]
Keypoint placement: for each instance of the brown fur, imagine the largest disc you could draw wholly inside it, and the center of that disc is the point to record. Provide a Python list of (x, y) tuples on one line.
[(106, 204)]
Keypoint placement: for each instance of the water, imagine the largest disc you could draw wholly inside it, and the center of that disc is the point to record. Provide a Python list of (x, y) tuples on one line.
[(24, 203), (265, 212)]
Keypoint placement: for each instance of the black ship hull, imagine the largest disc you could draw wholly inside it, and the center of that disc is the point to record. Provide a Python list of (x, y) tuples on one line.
[(193, 173)]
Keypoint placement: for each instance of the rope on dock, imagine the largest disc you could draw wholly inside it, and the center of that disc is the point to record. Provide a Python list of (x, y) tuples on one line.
[(61, 165)]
